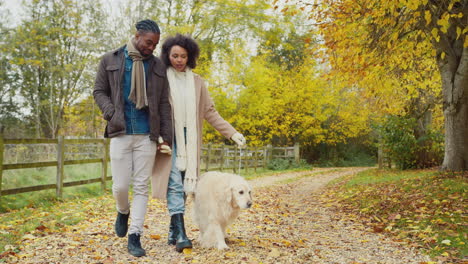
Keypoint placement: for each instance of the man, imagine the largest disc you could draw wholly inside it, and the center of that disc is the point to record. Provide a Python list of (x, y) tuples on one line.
[(131, 89)]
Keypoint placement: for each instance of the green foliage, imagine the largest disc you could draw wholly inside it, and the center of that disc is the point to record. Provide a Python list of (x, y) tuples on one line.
[(285, 164), (399, 140), (51, 52), (357, 160), (349, 154), (9, 112), (302, 164), (431, 146), (84, 119), (288, 49), (214, 24), (278, 164), (402, 146)]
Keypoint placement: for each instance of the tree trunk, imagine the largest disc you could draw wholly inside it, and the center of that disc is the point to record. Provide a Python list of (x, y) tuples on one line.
[(424, 155), (454, 72)]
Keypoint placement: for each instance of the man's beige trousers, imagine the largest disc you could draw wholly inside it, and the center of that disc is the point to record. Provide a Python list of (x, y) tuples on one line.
[(132, 160)]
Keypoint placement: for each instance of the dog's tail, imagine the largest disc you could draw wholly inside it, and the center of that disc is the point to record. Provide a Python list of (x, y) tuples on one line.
[(190, 196), (202, 175)]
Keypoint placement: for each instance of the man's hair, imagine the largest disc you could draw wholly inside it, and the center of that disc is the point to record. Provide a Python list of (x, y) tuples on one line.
[(147, 25), (186, 42)]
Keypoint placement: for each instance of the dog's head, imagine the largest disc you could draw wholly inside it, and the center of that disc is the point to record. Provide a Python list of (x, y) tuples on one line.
[(241, 194)]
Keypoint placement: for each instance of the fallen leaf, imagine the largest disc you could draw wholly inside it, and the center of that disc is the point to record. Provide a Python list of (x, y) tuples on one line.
[(274, 253), (446, 242), (230, 254), (155, 237), (41, 228), (108, 260), (378, 228), (394, 217), (29, 236)]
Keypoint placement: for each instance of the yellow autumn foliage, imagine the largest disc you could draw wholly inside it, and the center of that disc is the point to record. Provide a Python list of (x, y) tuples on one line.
[(374, 46)]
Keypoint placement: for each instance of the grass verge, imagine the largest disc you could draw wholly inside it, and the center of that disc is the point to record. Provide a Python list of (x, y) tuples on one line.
[(17, 178), (424, 207), (47, 216)]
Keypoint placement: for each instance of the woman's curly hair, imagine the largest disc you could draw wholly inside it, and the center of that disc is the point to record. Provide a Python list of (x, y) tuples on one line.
[(186, 42)]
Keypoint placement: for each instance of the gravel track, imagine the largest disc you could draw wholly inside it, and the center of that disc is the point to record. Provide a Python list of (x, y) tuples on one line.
[(287, 224)]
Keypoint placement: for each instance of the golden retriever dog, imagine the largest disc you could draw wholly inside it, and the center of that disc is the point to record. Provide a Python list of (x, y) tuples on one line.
[(219, 197)]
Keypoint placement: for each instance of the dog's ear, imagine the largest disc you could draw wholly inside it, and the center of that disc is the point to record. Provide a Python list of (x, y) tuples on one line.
[(229, 194)]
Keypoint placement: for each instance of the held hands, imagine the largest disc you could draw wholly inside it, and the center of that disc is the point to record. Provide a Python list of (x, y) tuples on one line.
[(163, 147), (239, 139)]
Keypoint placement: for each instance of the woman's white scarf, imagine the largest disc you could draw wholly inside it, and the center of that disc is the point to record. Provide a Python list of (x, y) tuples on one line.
[(187, 150)]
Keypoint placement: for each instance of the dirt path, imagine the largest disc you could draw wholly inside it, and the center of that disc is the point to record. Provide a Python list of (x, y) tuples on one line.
[(287, 224)]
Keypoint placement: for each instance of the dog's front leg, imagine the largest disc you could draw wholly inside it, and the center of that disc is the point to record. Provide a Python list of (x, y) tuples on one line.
[(224, 229), (220, 242)]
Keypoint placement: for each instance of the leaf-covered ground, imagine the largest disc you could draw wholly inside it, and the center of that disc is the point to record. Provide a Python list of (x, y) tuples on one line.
[(290, 222), (424, 207)]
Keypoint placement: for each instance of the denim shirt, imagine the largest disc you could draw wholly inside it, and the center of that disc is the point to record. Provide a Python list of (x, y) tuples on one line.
[(136, 120)]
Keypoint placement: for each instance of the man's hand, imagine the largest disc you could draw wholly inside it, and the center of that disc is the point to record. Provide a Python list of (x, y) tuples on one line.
[(164, 147)]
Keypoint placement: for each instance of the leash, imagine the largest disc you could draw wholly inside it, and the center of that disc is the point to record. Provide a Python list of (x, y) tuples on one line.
[(240, 160)]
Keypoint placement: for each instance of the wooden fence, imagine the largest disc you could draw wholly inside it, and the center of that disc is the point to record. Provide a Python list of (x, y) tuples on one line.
[(60, 162), (214, 157), (223, 157)]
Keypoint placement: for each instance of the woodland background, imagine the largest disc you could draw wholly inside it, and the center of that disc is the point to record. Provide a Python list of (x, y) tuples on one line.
[(344, 79), (347, 80)]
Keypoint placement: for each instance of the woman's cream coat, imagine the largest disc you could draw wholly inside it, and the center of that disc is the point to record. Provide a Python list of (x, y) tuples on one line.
[(206, 111)]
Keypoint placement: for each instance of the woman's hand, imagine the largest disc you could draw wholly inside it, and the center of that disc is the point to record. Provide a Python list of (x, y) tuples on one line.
[(164, 147), (239, 139)]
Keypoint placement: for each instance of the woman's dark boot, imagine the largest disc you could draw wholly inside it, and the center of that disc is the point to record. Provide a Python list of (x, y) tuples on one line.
[(171, 238), (182, 240)]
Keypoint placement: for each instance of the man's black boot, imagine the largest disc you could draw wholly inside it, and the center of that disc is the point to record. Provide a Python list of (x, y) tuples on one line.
[(182, 240), (121, 224), (134, 246)]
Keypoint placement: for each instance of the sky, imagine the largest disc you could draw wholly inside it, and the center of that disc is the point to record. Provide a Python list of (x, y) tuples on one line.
[(15, 8)]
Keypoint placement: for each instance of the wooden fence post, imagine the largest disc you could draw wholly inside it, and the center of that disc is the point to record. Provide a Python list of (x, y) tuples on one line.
[(234, 166), (105, 143), (380, 152), (2, 148), (243, 161), (268, 154), (297, 153), (221, 159), (60, 164), (208, 154), (256, 158), (246, 159)]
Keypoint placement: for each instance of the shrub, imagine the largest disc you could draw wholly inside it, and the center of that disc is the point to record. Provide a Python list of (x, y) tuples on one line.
[(347, 155), (284, 164), (278, 164), (408, 151)]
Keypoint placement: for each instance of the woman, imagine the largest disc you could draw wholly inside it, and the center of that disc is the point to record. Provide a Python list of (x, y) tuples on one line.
[(191, 104)]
